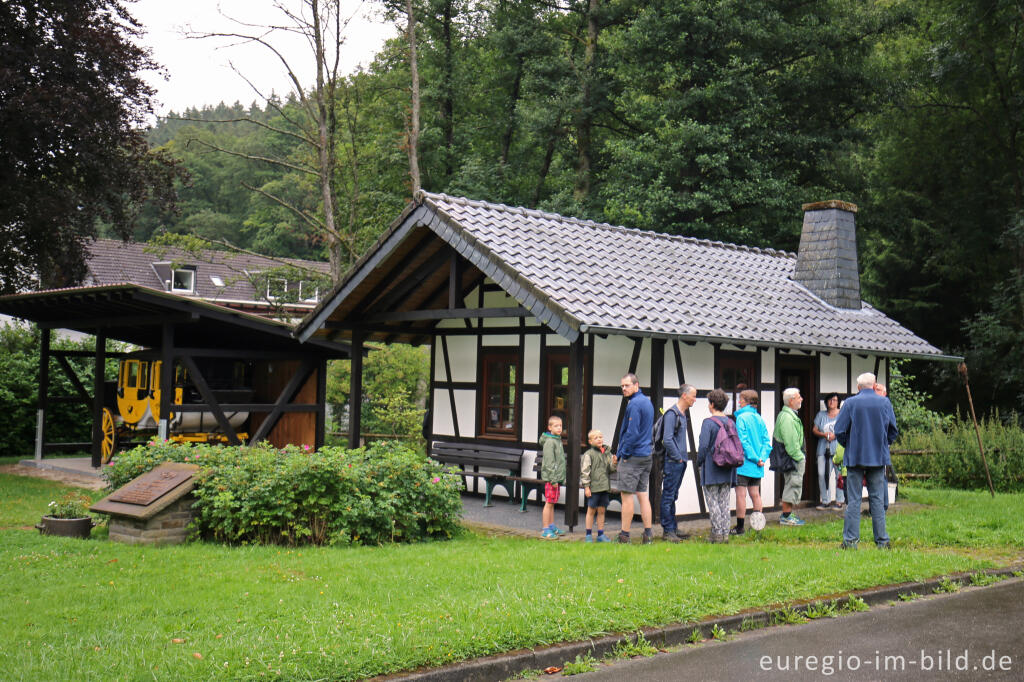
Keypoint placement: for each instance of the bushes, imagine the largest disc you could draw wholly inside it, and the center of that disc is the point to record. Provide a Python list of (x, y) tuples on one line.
[(381, 493), (953, 460)]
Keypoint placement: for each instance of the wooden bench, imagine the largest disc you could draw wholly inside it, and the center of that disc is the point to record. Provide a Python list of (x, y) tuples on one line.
[(476, 455), (528, 485)]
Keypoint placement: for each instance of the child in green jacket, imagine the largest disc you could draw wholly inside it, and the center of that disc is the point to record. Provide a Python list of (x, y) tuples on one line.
[(595, 475), (552, 472)]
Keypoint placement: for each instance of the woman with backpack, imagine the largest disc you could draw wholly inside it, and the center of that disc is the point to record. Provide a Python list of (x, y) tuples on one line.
[(717, 464)]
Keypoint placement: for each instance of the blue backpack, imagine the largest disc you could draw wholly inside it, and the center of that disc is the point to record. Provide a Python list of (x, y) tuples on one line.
[(728, 451)]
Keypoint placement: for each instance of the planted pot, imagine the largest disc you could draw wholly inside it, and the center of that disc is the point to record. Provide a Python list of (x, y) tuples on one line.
[(69, 528)]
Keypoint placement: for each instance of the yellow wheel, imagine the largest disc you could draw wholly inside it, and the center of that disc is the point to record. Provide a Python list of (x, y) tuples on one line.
[(109, 429)]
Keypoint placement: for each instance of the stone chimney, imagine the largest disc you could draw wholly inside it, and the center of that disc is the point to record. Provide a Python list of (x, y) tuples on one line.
[(827, 260)]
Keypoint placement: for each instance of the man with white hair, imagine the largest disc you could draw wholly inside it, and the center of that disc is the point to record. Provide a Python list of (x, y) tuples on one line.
[(866, 426), (789, 431)]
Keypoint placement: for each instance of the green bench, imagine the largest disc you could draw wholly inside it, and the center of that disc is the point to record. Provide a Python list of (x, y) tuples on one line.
[(470, 457), (528, 485)]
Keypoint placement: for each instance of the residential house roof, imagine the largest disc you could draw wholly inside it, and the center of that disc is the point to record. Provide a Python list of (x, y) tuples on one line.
[(220, 276), (580, 275)]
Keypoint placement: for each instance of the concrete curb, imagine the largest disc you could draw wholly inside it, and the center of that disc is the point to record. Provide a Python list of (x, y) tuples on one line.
[(506, 665)]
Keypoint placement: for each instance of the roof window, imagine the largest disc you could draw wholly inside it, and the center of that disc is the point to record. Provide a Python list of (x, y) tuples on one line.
[(183, 281)]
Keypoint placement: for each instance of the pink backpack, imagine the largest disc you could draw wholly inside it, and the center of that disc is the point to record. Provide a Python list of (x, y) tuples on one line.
[(728, 451)]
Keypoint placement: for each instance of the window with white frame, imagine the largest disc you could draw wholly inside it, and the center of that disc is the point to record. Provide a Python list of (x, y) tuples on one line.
[(309, 292), (183, 281), (277, 287)]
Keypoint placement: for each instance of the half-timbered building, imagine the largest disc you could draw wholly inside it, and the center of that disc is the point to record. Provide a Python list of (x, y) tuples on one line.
[(531, 313)]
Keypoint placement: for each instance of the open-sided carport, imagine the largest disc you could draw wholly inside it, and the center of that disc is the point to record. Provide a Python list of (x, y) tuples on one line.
[(290, 406)]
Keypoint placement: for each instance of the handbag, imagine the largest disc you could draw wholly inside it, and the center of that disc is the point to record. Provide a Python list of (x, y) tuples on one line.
[(779, 458)]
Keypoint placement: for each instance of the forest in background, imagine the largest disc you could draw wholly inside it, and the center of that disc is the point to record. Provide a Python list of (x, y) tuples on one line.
[(715, 119)]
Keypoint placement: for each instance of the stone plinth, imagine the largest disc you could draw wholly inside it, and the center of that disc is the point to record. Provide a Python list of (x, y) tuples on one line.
[(154, 509), (168, 527)]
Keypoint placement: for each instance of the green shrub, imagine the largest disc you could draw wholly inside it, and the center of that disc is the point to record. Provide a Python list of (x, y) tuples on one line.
[(382, 493), (953, 460)]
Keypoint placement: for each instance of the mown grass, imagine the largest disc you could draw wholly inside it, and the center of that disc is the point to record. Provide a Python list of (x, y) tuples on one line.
[(23, 500), (97, 609)]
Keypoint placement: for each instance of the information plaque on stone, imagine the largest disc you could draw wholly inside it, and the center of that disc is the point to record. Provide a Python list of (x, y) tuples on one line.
[(150, 487)]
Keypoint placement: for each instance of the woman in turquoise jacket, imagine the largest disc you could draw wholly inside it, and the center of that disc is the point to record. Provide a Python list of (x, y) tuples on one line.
[(756, 447)]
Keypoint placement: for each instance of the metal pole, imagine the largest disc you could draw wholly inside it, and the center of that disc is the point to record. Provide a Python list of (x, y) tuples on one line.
[(977, 431)]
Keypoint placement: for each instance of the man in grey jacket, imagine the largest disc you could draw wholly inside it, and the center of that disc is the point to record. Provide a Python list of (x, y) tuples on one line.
[(676, 457)]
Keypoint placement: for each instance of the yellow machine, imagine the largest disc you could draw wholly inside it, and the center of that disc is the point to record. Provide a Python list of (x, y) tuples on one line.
[(133, 409)]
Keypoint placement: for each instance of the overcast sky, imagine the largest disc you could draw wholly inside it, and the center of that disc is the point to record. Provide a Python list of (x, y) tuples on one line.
[(198, 70)]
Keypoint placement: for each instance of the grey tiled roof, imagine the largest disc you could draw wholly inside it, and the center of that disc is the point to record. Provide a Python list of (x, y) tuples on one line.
[(597, 276), (112, 261)]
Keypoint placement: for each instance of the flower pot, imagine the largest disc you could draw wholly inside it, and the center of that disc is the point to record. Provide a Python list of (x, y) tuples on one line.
[(69, 528)]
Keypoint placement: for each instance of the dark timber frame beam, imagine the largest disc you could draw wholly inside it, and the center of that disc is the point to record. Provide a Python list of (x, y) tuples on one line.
[(355, 394), (211, 402), (97, 398)]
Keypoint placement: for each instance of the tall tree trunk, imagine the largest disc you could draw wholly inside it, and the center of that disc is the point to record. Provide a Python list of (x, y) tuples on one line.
[(549, 153), (585, 118), (326, 129), (448, 89), (413, 127), (510, 127)]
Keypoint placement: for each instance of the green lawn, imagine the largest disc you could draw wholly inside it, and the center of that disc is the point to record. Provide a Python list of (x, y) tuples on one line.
[(96, 609)]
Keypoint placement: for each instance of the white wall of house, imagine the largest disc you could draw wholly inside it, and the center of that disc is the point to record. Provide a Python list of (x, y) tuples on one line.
[(611, 357)]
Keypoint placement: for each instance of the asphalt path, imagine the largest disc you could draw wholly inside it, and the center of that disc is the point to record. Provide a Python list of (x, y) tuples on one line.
[(976, 634)]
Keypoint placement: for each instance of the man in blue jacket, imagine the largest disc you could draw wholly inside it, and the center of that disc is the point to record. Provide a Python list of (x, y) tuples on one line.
[(634, 457), (676, 457), (866, 426)]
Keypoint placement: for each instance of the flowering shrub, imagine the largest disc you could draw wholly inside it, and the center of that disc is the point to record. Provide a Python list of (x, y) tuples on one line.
[(73, 505), (382, 493)]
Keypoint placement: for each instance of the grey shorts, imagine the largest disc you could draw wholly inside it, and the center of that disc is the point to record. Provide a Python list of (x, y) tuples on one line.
[(793, 483), (748, 482), (634, 474)]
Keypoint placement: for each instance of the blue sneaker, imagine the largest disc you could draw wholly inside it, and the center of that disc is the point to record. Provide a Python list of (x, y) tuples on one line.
[(558, 531), (548, 534), (588, 538), (790, 521), (603, 538)]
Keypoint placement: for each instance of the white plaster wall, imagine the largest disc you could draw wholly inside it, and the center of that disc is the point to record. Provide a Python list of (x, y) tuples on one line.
[(462, 353), (443, 425), (768, 366), (531, 359), (531, 429), (605, 412), (859, 366), (699, 365), (611, 359), (555, 340), (833, 373), (465, 404), (498, 340)]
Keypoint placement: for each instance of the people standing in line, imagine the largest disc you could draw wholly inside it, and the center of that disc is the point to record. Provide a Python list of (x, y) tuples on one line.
[(717, 480), (789, 430), (757, 446), (552, 472), (676, 456), (595, 475), (824, 429), (634, 457), (866, 427)]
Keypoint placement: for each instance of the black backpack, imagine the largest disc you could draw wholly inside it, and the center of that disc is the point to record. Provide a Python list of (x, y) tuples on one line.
[(658, 432)]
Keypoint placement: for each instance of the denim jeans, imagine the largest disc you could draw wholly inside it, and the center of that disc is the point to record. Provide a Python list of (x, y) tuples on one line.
[(673, 477), (877, 492), (825, 466)]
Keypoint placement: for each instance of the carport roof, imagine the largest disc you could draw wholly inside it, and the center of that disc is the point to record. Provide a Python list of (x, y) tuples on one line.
[(136, 314)]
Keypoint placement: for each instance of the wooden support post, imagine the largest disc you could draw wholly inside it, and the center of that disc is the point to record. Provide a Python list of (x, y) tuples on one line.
[(575, 435), (44, 391), (321, 403), (355, 394), (166, 380), (97, 398), (657, 398)]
